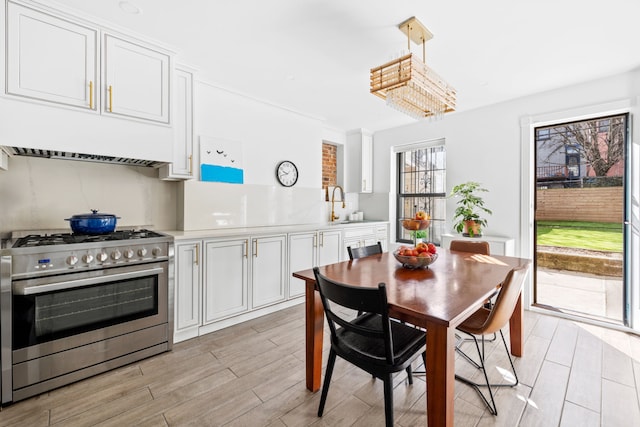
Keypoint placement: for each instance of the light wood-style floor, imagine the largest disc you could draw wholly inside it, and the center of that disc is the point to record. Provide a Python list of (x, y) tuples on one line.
[(252, 374)]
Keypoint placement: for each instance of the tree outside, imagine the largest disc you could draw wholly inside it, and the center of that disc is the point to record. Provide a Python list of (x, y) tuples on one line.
[(578, 150)]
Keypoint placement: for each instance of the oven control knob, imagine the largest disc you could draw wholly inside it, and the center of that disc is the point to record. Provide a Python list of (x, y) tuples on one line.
[(72, 260), (88, 258), (116, 254), (142, 252), (156, 251), (102, 256), (128, 254)]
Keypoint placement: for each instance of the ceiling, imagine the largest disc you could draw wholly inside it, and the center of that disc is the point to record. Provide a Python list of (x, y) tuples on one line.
[(314, 56)]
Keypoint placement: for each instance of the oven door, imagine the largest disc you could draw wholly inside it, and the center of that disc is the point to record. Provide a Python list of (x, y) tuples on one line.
[(56, 313)]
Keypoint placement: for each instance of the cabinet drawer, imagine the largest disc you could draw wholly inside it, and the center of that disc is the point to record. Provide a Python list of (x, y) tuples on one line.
[(354, 233)]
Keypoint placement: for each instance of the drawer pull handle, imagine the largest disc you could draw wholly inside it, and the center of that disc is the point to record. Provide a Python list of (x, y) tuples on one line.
[(91, 95)]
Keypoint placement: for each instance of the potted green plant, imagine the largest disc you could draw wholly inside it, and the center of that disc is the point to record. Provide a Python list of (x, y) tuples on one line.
[(467, 217)]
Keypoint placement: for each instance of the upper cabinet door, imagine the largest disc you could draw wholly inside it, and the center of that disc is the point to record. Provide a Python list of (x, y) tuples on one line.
[(367, 164), (136, 81), (50, 59)]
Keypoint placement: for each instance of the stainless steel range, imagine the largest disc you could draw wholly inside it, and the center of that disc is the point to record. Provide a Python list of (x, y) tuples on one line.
[(73, 306)]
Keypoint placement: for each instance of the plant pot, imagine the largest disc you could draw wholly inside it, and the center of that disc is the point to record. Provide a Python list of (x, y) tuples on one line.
[(471, 229)]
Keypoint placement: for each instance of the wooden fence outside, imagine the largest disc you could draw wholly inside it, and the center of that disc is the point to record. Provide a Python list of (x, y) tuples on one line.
[(601, 204)]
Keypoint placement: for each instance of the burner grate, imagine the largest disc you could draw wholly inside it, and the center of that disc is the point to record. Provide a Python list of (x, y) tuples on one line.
[(33, 240)]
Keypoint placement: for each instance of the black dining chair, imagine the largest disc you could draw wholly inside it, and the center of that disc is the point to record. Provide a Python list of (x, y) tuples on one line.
[(364, 251), (486, 321), (372, 341)]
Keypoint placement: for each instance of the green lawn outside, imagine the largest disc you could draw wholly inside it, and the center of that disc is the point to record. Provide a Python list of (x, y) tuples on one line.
[(599, 236)]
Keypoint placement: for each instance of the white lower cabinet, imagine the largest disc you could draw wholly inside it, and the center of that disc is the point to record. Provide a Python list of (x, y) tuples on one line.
[(310, 249), (187, 289), (226, 279), (382, 236), (220, 281), (365, 236), (329, 247), (268, 270), (302, 256)]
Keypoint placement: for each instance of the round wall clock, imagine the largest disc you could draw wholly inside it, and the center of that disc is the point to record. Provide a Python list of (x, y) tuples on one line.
[(287, 173)]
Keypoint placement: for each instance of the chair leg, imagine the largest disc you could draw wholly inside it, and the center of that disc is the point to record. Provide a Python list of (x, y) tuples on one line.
[(409, 375), (388, 400), (424, 363), (327, 380), (490, 405)]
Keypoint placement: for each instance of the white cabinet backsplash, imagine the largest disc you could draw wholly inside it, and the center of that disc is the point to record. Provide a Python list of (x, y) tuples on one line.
[(211, 205), (38, 194)]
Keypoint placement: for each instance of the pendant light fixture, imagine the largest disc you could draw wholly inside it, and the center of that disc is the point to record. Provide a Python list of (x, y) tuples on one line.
[(408, 84)]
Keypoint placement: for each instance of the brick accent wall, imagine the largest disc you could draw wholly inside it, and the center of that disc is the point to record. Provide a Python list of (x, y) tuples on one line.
[(602, 204), (329, 165)]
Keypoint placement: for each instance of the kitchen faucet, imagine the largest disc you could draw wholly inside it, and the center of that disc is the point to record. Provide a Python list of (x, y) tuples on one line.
[(333, 197)]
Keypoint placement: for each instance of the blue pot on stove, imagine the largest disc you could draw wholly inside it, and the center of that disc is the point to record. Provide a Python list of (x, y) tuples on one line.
[(93, 223)]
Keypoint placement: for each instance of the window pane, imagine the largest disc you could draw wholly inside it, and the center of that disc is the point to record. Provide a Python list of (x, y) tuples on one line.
[(422, 187)]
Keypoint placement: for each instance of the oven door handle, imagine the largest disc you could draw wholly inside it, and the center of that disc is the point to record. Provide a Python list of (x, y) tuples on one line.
[(23, 289)]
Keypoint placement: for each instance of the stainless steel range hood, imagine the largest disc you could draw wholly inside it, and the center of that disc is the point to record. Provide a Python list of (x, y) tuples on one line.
[(64, 155)]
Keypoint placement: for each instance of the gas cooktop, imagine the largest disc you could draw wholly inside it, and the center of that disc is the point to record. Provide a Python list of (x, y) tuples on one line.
[(33, 240), (56, 251)]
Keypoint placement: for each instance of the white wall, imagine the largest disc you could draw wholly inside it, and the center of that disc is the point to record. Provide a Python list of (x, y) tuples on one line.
[(268, 133)]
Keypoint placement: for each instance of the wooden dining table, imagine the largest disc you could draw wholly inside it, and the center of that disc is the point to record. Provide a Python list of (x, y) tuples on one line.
[(437, 298)]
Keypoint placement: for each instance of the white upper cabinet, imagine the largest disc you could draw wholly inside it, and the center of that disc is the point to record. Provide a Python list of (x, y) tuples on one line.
[(359, 158), (182, 120), (54, 59), (136, 80), (366, 169), (51, 59)]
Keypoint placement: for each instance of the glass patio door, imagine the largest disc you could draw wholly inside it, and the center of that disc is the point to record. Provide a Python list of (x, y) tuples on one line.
[(581, 204)]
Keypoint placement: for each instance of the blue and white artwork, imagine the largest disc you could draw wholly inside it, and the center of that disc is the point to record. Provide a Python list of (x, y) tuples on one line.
[(221, 160)]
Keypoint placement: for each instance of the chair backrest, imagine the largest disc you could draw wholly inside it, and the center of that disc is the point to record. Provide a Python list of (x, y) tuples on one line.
[(475, 246), (355, 253), (506, 300), (364, 299)]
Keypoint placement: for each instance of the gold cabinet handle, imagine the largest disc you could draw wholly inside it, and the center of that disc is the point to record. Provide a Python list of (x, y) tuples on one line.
[(191, 164), (315, 240), (197, 262), (321, 239), (91, 95), (246, 248), (110, 98), (255, 254)]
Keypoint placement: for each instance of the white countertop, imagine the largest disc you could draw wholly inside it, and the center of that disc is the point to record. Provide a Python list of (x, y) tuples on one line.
[(225, 232)]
